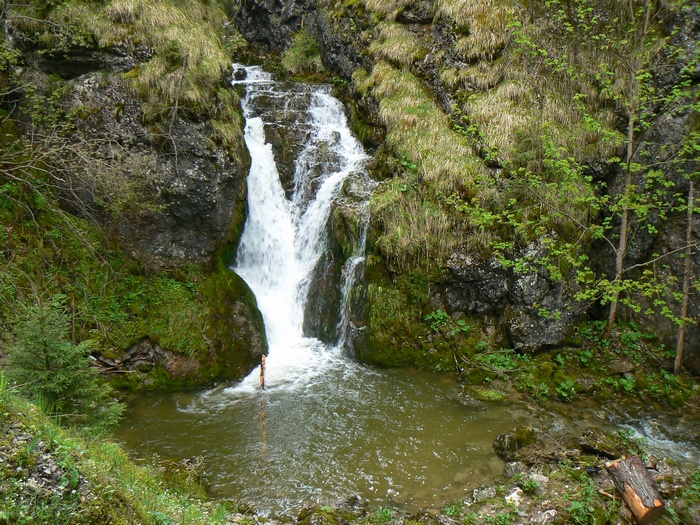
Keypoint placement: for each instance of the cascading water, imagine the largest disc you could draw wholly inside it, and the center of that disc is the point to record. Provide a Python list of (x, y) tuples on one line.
[(325, 428), (283, 240)]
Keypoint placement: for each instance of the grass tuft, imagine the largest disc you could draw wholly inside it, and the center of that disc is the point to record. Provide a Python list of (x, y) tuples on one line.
[(397, 45)]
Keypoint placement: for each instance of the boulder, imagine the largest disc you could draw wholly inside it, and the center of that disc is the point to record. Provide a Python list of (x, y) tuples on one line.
[(505, 445)]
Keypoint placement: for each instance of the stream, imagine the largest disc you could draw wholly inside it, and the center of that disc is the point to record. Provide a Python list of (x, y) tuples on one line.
[(325, 427)]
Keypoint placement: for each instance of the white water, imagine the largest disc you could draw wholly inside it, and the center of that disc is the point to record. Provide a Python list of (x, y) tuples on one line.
[(394, 437), (284, 239)]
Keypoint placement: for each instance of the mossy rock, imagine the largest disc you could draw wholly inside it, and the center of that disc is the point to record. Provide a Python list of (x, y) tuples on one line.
[(485, 393), (235, 326), (607, 444), (325, 515), (506, 445)]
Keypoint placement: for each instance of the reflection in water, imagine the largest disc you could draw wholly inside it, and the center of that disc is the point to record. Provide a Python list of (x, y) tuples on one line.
[(393, 437)]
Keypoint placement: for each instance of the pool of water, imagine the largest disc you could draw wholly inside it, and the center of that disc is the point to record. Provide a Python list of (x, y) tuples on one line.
[(394, 437)]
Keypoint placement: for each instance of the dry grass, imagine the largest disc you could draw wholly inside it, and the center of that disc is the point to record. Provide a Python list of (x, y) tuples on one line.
[(388, 8), (484, 24), (303, 56), (417, 127), (418, 227), (518, 96), (450, 77), (189, 63), (397, 44), (417, 232)]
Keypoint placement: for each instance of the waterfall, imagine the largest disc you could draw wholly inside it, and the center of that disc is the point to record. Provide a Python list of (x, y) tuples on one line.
[(285, 238)]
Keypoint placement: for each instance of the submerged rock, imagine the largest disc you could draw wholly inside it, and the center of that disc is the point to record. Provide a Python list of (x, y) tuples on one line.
[(505, 445)]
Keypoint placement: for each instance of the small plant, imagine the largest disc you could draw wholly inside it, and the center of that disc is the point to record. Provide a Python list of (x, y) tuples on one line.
[(383, 515), (460, 327), (470, 519), (531, 486), (582, 513), (437, 319), (504, 518), (567, 390), (304, 55), (453, 510), (628, 384)]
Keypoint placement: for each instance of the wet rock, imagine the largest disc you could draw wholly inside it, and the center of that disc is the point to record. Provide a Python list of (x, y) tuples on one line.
[(484, 394), (603, 444), (323, 516), (354, 504), (484, 288), (687, 512), (505, 445), (670, 480), (514, 468), (545, 517), (483, 493)]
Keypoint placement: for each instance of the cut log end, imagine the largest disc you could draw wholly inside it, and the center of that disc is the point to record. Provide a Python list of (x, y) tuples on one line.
[(635, 484)]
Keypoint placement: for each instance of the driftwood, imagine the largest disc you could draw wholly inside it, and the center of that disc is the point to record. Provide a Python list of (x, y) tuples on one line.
[(635, 484)]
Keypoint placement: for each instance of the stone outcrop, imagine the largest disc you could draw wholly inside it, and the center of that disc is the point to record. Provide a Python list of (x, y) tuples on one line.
[(164, 184), (532, 311), (190, 192)]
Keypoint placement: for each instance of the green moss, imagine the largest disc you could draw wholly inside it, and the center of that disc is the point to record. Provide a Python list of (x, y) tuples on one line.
[(117, 301), (231, 305), (485, 394), (303, 56)]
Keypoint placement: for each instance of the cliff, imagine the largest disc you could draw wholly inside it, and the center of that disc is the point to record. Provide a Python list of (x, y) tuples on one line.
[(125, 181), (504, 134)]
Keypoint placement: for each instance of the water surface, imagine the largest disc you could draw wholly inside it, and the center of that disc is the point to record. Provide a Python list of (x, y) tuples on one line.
[(394, 437)]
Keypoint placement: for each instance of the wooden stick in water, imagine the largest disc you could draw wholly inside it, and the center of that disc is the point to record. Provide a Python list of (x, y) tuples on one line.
[(262, 373)]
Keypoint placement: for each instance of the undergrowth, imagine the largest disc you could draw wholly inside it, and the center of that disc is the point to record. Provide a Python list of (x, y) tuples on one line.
[(632, 364), (94, 480)]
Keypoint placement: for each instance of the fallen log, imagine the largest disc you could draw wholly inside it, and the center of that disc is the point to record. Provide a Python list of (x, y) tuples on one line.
[(635, 484)]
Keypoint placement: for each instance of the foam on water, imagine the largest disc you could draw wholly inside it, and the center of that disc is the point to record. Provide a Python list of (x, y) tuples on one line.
[(283, 240)]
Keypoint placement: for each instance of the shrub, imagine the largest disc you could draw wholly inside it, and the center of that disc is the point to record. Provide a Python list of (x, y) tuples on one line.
[(50, 368)]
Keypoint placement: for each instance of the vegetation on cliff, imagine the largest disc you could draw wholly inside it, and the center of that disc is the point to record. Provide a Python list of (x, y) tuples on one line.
[(77, 180), (549, 142)]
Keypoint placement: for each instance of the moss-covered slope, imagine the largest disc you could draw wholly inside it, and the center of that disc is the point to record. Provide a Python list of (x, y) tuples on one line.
[(123, 183)]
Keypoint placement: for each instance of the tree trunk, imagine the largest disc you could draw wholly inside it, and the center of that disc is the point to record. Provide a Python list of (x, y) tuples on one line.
[(621, 251), (635, 484), (633, 104), (678, 364)]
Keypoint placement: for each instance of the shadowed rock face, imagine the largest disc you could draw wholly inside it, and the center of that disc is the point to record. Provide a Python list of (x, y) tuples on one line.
[(485, 289), (195, 191), (165, 188)]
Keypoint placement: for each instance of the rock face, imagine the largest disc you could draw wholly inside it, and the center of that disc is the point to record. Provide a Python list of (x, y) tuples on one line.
[(194, 190), (165, 186), (530, 312), (533, 311)]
